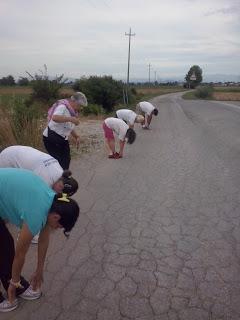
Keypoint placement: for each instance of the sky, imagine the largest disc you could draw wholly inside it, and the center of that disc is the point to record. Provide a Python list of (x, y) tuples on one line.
[(87, 37)]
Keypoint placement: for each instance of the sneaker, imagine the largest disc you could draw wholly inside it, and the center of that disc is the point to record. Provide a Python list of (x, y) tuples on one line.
[(30, 294), (117, 156), (6, 306), (111, 156), (35, 239)]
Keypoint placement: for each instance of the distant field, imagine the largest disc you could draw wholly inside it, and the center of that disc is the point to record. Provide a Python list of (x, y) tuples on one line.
[(26, 90), (159, 90), (220, 94)]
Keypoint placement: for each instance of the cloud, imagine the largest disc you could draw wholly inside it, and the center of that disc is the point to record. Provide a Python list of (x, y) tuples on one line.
[(78, 37)]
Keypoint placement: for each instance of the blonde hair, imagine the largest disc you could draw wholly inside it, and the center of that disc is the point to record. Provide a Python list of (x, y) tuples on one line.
[(139, 118)]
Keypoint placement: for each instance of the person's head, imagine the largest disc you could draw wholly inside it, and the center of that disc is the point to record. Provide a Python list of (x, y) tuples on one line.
[(130, 135), (155, 112), (139, 119), (77, 100), (63, 213), (66, 184)]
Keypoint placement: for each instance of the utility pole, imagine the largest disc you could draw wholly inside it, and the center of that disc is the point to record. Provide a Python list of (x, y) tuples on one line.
[(130, 34), (155, 72), (149, 73)]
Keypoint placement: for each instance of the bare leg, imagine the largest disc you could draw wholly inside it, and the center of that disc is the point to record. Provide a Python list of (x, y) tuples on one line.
[(110, 143)]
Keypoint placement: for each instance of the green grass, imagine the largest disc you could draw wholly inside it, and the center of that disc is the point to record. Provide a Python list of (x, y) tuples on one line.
[(189, 96)]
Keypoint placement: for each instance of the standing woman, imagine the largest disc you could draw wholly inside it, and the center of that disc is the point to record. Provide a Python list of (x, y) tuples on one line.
[(62, 121)]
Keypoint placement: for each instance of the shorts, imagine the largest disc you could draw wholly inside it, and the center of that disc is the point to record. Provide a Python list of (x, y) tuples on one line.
[(108, 133)]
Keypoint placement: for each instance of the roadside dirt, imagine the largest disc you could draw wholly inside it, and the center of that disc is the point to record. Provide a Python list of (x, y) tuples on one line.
[(91, 136)]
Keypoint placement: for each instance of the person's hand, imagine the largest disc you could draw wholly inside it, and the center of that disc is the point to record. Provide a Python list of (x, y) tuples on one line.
[(75, 120), (77, 141), (11, 293), (36, 280)]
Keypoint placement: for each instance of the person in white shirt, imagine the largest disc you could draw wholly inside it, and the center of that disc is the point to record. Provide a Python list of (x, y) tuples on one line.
[(43, 165), (130, 117), (147, 109), (62, 121), (123, 132)]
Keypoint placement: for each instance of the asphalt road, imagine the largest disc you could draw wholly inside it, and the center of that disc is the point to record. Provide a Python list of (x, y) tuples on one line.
[(159, 233)]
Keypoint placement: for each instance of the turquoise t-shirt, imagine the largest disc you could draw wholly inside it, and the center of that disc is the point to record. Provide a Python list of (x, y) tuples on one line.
[(24, 198)]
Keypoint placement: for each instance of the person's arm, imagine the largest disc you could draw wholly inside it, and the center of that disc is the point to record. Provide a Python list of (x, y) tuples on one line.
[(61, 119), (146, 119), (149, 119), (43, 242), (76, 137), (22, 247), (121, 144)]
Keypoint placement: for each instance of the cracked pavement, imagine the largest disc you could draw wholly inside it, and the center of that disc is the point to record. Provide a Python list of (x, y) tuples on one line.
[(159, 233)]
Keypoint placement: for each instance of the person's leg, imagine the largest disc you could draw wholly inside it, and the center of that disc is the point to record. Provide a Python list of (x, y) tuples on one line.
[(59, 151), (65, 156), (7, 252), (51, 147), (110, 143), (109, 140)]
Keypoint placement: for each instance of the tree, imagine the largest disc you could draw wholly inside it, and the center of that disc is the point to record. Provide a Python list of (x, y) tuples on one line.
[(194, 71), (7, 81)]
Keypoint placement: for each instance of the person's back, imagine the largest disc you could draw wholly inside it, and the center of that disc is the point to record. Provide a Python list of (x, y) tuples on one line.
[(28, 158), (127, 115), (146, 107), (26, 197)]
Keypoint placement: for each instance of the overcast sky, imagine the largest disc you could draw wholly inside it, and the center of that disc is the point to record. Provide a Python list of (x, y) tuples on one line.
[(86, 37)]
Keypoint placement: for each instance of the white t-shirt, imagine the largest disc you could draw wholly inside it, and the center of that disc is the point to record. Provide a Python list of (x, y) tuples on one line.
[(146, 107), (42, 164), (127, 115), (64, 128), (118, 126)]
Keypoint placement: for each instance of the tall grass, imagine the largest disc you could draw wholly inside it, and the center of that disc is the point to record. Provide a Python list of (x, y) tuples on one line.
[(20, 124)]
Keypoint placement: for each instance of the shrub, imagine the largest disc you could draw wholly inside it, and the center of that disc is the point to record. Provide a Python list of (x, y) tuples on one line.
[(23, 81), (104, 91), (92, 109), (45, 89), (204, 92)]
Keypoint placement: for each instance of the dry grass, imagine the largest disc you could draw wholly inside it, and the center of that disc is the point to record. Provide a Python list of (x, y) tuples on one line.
[(226, 96), (7, 137), (28, 90), (159, 90)]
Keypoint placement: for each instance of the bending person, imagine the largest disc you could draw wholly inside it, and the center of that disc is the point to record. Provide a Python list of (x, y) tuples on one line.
[(124, 133), (24, 194), (43, 165), (62, 121), (147, 110), (130, 117)]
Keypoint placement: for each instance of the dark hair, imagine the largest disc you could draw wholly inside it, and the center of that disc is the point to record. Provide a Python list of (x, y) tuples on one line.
[(131, 135), (68, 210), (70, 184), (155, 112)]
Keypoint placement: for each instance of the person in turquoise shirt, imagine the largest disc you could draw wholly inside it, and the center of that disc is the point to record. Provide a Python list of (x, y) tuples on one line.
[(27, 202)]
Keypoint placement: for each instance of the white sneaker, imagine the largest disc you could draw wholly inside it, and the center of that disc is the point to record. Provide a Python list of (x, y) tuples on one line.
[(31, 294), (6, 306), (35, 239)]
